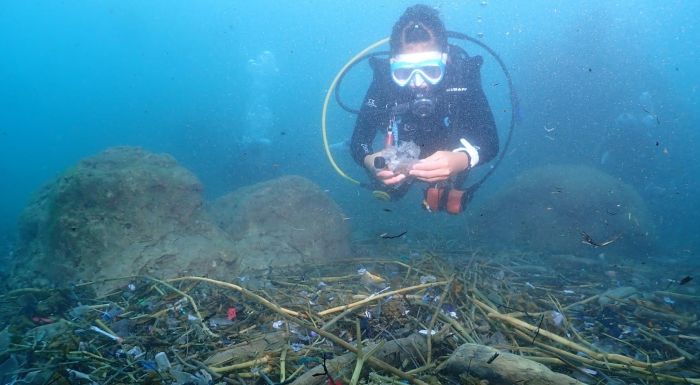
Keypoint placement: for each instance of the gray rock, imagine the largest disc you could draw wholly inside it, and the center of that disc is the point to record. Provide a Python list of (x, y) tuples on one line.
[(129, 212), (283, 222), (546, 210), (122, 212)]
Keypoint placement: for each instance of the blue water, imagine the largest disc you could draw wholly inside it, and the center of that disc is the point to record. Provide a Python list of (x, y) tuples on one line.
[(174, 76)]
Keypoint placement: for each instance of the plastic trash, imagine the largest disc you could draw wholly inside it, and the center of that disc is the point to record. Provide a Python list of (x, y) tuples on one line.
[(401, 158), (135, 353), (427, 279), (183, 378), (162, 361), (296, 347)]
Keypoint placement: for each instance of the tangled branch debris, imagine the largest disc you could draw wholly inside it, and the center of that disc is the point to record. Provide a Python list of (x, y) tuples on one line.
[(429, 321)]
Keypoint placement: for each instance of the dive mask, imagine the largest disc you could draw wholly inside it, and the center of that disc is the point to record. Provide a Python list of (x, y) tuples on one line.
[(430, 66)]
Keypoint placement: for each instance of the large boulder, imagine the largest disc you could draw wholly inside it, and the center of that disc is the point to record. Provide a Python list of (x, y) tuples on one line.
[(122, 212), (283, 222), (553, 209)]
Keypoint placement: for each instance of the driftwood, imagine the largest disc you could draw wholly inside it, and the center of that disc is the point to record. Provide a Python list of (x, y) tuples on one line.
[(501, 368), (470, 359), (250, 349), (412, 348)]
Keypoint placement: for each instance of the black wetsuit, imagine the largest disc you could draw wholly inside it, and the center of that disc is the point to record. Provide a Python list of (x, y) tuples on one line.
[(461, 111)]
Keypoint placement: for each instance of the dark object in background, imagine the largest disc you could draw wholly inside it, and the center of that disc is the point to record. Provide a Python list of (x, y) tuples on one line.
[(685, 280), (379, 162), (611, 320), (387, 236), (365, 328)]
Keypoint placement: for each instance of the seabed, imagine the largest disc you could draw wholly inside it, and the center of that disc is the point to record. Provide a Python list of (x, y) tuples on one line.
[(434, 318)]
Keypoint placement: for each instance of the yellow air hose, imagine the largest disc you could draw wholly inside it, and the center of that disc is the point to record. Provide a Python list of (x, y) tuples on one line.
[(334, 84)]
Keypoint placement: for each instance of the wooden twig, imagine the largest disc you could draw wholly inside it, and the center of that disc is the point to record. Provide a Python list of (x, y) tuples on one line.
[(243, 291), (431, 325), (379, 296), (600, 357), (361, 355), (242, 365), (664, 340)]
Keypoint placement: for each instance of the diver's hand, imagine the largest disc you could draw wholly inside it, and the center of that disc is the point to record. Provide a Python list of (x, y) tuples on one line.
[(440, 166), (388, 177), (384, 175)]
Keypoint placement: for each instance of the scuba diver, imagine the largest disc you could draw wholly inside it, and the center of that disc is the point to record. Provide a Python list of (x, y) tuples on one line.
[(429, 93)]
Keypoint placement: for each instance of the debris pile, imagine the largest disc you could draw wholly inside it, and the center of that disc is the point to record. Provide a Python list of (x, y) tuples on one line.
[(427, 320)]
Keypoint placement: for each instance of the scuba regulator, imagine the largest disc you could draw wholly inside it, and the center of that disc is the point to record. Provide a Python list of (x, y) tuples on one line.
[(423, 105)]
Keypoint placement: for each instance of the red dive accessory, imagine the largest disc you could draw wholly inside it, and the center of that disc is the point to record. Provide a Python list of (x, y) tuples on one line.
[(389, 139), (433, 196), (453, 201)]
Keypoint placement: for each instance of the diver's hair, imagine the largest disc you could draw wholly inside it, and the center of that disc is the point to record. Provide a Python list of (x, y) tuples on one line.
[(419, 23)]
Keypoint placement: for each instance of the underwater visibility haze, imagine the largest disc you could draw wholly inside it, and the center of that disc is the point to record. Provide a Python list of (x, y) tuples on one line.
[(160, 139), (234, 92)]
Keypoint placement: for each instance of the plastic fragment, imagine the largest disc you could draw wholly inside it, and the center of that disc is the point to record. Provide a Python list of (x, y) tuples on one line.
[(111, 314), (589, 371), (77, 374), (217, 322), (184, 378), (557, 318), (135, 352), (380, 291), (450, 310), (106, 334), (79, 311), (162, 361), (296, 347), (149, 365), (370, 279), (427, 278)]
